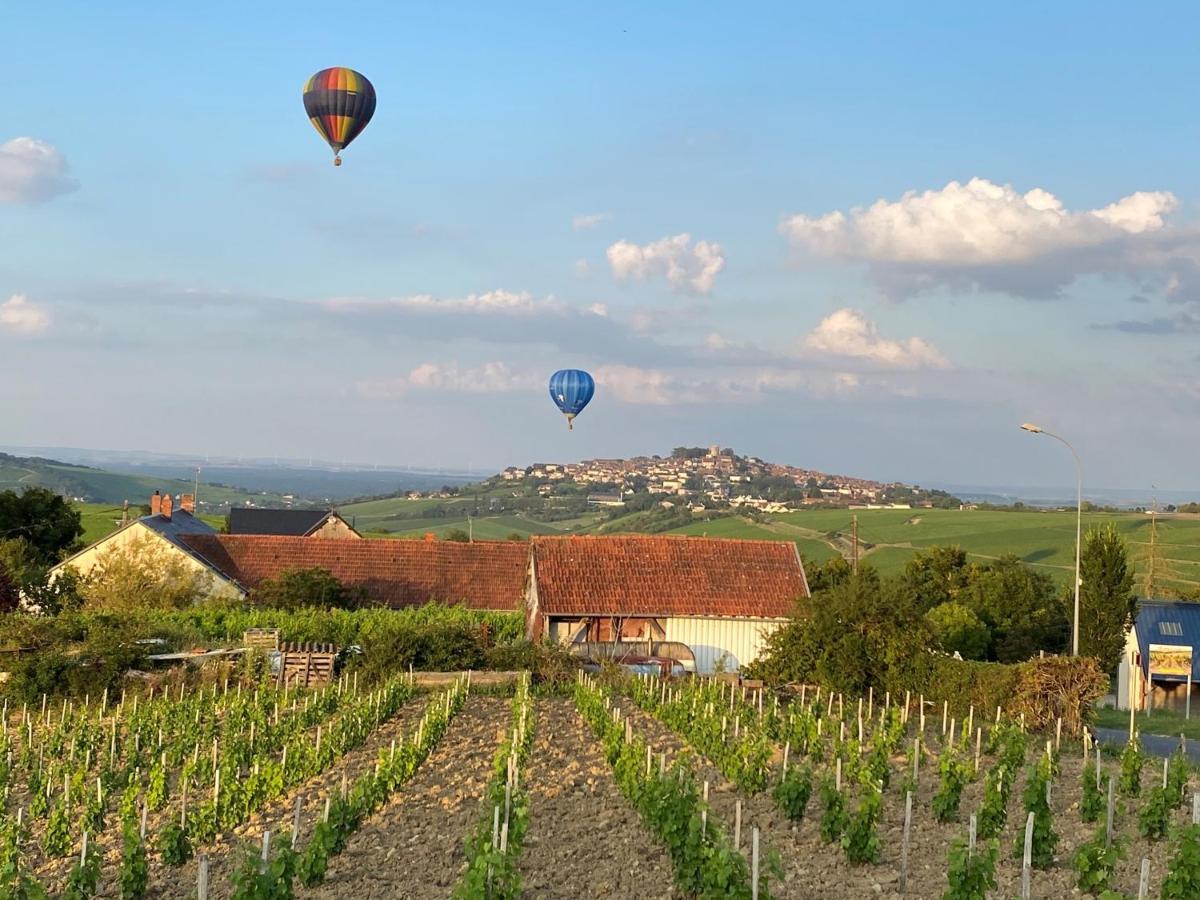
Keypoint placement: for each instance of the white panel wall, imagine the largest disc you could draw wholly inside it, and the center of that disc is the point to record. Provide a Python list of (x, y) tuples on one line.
[(736, 641)]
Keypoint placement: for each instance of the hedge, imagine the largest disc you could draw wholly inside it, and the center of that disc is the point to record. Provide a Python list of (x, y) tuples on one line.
[(1044, 689)]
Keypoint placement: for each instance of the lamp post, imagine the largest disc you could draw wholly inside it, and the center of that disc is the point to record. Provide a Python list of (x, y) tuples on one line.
[(1034, 429)]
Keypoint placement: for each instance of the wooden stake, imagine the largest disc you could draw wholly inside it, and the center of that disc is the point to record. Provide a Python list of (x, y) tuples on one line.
[(1144, 881), (202, 879), (296, 822), (904, 845), (737, 827), (1026, 862), (754, 864), (1108, 821), (971, 837)]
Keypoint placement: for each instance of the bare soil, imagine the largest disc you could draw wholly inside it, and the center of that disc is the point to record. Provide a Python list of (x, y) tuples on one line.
[(584, 839), (414, 847)]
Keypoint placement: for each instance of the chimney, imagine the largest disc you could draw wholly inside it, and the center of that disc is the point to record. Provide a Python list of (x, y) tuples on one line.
[(156, 504), (187, 503), (430, 536), (166, 506)]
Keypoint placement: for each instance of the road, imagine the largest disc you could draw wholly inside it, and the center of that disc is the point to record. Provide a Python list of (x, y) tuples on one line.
[(1154, 744)]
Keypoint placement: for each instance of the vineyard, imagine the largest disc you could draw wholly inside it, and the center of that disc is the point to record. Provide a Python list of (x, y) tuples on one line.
[(624, 788)]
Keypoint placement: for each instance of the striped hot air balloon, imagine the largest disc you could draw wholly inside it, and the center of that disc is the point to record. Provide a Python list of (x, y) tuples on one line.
[(571, 390), (339, 103)]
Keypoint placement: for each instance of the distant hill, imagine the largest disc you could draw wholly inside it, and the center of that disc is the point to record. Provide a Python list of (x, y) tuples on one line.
[(91, 485)]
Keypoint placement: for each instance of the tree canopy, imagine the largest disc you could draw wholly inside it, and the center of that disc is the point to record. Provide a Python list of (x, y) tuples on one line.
[(48, 523), (1107, 603)]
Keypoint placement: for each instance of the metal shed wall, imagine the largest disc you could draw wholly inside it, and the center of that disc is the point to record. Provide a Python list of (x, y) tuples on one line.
[(737, 641)]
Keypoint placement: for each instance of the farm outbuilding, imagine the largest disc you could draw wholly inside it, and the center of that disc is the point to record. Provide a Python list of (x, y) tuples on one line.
[(1161, 663), (722, 598)]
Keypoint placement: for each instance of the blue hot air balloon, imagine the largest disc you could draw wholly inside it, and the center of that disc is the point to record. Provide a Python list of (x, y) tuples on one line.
[(571, 389)]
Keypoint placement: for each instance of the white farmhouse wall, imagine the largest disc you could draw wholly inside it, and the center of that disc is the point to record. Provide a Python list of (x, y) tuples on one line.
[(86, 560), (736, 641)]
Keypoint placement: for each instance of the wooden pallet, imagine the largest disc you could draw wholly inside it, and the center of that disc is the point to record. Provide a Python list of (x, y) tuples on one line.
[(265, 640), (306, 664)]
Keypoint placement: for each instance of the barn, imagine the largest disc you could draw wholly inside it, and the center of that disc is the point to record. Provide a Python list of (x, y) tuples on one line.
[(720, 597)]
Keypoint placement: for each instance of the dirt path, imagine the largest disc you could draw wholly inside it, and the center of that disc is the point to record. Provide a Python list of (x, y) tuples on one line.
[(226, 854), (413, 847), (584, 839)]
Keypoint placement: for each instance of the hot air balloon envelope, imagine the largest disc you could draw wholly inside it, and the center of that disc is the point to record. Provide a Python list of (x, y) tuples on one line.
[(571, 389), (339, 103)]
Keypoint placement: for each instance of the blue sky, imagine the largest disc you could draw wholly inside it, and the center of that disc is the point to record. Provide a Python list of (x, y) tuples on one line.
[(871, 239)]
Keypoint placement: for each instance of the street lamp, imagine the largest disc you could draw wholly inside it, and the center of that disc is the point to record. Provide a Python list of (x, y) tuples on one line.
[(1035, 429)]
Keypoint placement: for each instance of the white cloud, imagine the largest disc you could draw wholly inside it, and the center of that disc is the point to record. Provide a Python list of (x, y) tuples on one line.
[(982, 234), (589, 220), (19, 316), (488, 378), (688, 267), (32, 171), (659, 387), (849, 333), (500, 301)]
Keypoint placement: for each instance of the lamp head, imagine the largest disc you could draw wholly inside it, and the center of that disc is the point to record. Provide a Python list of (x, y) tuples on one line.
[(1030, 427)]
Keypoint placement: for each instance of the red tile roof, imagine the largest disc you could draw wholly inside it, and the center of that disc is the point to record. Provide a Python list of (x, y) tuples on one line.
[(666, 576), (397, 573)]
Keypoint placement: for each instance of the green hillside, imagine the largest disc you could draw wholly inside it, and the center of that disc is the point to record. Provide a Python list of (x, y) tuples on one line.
[(89, 485)]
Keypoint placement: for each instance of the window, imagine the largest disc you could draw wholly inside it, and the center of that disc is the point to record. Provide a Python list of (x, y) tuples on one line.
[(1171, 628)]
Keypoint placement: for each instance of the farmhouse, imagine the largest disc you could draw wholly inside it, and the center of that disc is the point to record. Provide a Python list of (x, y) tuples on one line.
[(163, 531), (720, 597), (324, 523), (1162, 652)]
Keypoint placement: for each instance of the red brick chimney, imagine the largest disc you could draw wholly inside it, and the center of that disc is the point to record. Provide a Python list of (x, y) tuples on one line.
[(187, 503), (156, 504), (166, 506)]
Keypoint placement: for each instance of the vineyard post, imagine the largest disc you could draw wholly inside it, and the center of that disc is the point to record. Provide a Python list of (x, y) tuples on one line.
[(945, 713), (829, 705), (1164, 773), (1196, 809), (1144, 881), (754, 864), (904, 844), (1027, 860), (1131, 711), (202, 879), (786, 749), (142, 831), (907, 698), (1058, 734), (296, 822), (803, 691), (266, 851), (737, 826), (971, 837), (1097, 767), (887, 701), (978, 743), (860, 704), (1087, 745), (837, 778), (916, 759), (1108, 822)]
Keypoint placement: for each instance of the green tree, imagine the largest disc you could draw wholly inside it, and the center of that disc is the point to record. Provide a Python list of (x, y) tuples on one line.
[(1021, 608), (50, 525), (456, 534), (822, 576), (957, 628), (1107, 603), (861, 632), (936, 575), (300, 588)]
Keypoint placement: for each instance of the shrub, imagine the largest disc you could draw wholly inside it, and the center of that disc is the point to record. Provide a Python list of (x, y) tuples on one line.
[(1045, 840), (833, 818), (793, 791), (1133, 758), (1183, 871), (1154, 816), (971, 876), (860, 842), (955, 775), (1094, 863)]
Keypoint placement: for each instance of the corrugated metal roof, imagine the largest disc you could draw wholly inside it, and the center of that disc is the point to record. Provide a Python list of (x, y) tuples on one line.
[(1169, 622)]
